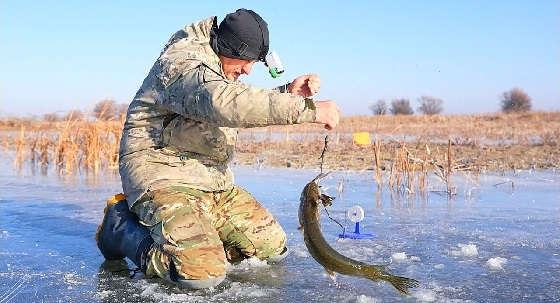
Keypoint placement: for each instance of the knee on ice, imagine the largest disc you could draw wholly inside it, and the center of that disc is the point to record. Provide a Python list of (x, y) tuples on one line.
[(279, 257), (209, 282)]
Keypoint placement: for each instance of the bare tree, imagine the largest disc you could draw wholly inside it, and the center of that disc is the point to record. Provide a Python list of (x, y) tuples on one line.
[(123, 108), (515, 100), (430, 105), (401, 107), (105, 109), (74, 115), (53, 117), (379, 108)]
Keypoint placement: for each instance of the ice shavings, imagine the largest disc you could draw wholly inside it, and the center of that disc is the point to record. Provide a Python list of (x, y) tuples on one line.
[(102, 295), (252, 262), (365, 299), (73, 279), (496, 263), (357, 249), (238, 290), (434, 292), (233, 291), (157, 292), (300, 252), (424, 295), (402, 257), (247, 265), (464, 250)]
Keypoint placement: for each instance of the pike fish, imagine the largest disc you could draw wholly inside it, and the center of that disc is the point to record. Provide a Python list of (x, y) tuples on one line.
[(322, 252)]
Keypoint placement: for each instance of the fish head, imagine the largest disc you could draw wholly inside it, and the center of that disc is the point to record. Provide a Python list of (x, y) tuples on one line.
[(326, 200), (312, 195)]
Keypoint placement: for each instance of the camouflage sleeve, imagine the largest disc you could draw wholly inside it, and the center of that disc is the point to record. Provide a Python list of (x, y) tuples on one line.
[(216, 100)]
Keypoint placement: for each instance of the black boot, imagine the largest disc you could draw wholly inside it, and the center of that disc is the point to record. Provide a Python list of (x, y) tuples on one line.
[(121, 235)]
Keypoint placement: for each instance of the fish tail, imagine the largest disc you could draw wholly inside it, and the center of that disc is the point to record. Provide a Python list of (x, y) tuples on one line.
[(402, 284)]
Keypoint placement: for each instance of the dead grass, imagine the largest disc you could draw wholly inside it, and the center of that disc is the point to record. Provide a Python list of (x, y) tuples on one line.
[(67, 147), (404, 150), (516, 128)]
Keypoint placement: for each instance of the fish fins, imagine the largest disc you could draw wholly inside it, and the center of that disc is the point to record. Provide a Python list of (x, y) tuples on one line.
[(300, 228), (402, 284), (331, 274)]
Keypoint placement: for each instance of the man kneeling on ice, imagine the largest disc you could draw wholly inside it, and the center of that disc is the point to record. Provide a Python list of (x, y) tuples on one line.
[(183, 216)]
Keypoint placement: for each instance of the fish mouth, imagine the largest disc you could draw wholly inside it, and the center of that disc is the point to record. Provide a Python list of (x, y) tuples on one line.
[(326, 200)]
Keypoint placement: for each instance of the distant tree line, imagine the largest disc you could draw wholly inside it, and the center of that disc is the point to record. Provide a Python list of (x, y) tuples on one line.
[(513, 100), (401, 106), (104, 110), (73, 115)]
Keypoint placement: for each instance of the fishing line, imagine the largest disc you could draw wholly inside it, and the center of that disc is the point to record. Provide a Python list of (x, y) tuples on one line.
[(328, 215), (322, 157)]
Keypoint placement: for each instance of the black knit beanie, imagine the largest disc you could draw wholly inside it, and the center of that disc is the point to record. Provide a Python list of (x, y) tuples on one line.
[(241, 35)]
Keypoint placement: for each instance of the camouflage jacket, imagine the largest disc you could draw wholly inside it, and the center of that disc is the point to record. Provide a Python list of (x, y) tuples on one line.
[(181, 125)]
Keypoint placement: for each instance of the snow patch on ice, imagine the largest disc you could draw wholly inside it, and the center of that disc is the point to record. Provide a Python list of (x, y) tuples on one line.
[(402, 257), (157, 292), (365, 299), (496, 263), (150, 290), (256, 293), (464, 250), (439, 266), (437, 293), (300, 252), (248, 264), (424, 295), (73, 279), (237, 290), (354, 250), (253, 262), (102, 295)]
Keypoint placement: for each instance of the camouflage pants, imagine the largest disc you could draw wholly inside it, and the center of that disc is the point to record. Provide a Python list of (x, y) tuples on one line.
[(198, 230)]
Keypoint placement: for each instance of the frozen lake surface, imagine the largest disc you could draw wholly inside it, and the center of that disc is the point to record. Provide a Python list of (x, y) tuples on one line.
[(488, 244)]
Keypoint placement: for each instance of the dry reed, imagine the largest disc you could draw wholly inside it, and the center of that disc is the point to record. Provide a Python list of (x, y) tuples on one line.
[(71, 146), (404, 152)]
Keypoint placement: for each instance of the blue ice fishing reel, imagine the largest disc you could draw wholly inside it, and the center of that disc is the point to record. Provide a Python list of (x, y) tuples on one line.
[(355, 214)]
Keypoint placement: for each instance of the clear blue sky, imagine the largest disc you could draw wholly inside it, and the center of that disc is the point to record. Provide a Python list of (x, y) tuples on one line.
[(60, 55)]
